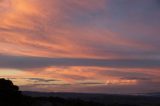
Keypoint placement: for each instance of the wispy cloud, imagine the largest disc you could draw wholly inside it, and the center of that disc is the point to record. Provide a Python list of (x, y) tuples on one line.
[(36, 62), (115, 39)]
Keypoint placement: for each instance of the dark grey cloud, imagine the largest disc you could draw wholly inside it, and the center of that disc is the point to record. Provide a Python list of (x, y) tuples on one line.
[(75, 77), (137, 78), (92, 83), (24, 62), (35, 80), (41, 80), (54, 84), (129, 75)]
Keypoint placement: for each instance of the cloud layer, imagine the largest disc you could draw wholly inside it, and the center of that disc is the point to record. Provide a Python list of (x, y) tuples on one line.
[(115, 39)]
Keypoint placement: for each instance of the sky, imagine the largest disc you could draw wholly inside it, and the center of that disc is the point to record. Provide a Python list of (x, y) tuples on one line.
[(90, 46)]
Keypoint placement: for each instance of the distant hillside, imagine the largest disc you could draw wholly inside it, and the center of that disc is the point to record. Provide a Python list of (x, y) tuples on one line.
[(104, 98), (156, 94)]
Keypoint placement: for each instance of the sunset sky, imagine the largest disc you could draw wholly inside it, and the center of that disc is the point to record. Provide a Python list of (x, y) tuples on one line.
[(95, 46)]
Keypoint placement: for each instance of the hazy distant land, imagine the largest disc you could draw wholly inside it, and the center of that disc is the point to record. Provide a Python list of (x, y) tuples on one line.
[(150, 99)]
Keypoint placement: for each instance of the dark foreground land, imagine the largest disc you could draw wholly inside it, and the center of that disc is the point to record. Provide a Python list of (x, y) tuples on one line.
[(103, 99), (11, 96), (90, 100)]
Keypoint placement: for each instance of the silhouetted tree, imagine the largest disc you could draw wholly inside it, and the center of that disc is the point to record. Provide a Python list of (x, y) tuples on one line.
[(8, 89)]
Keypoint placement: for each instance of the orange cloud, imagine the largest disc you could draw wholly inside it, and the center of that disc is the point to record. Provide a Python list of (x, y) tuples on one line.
[(39, 28), (63, 78), (76, 29)]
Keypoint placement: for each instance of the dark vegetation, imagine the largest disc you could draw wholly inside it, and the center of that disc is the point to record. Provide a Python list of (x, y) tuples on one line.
[(11, 96)]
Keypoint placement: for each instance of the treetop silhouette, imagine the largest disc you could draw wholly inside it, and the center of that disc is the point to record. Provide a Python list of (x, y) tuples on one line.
[(8, 89)]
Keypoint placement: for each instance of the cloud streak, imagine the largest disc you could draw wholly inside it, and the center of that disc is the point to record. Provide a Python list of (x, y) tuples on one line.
[(64, 32), (72, 40), (36, 62)]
